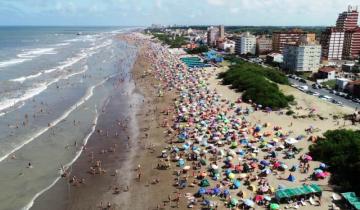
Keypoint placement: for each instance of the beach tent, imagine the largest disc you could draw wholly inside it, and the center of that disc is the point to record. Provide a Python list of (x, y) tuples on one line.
[(291, 141), (352, 199), (204, 183), (291, 178), (249, 203)]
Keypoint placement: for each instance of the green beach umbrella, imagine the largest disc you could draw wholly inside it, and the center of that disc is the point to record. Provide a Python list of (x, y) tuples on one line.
[(274, 206), (234, 201)]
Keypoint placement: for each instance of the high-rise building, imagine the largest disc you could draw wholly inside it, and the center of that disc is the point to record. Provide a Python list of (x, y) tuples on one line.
[(303, 57), (342, 41), (332, 42), (245, 44), (282, 38), (263, 45), (221, 32), (348, 19), (212, 36), (352, 43)]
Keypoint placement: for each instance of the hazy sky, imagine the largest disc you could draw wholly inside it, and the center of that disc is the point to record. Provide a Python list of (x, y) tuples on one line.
[(146, 12)]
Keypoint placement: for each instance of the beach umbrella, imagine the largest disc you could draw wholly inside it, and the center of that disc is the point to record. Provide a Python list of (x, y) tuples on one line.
[(243, 175), (215, 167), (216, 191), (259, 198), (226, 192), (291, 141), (308, 158), (186, 168), (231, 176), (204, 183), (236, 184), (234, 201), (249, 203), (323, 166), (234, 144), (266, 171), (201, 191), (264, 188), (318, 171), (274, 206), (268, 198), (181, 162), (265, 163)]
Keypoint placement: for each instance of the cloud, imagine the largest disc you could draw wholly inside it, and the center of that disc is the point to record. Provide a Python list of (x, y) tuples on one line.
[(217, 2), (234, 10), (140, 12)]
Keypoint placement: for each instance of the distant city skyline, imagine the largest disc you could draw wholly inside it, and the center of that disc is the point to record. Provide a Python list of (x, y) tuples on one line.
[(166, 12)]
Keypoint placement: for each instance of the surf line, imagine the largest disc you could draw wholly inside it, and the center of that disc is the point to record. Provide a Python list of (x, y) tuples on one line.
[(85, 98), (87, 137)]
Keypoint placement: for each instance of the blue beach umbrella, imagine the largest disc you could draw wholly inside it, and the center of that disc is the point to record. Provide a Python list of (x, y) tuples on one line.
[(201, 191)]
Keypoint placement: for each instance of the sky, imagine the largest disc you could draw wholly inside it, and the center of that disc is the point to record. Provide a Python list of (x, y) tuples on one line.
[(181, 12)]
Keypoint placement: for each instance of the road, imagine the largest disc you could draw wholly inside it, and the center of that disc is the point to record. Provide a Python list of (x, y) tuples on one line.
[(345, 101)]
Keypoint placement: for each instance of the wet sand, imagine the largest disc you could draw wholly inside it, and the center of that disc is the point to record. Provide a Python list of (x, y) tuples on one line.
[(116, 128)]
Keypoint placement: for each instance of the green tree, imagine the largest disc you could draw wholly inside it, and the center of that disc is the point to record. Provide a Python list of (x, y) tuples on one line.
[(340, 149)]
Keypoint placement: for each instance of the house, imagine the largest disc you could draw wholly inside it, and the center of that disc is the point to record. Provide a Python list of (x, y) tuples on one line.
[(274, 58), (326, 73), (354, 88), (341, 83)]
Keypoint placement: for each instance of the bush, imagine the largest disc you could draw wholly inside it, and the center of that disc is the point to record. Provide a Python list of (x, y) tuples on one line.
[(340, 149), (251, 79), (290, 112)]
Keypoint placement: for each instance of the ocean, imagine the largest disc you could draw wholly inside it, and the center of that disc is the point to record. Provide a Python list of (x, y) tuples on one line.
[(54, 82)]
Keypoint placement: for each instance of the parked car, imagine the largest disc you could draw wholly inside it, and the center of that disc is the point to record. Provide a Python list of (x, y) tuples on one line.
[(356, 100), (316, 94), (302, 80)]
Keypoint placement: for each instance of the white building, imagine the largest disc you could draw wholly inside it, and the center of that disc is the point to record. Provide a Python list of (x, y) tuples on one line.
[(227, 45), (341, 83), (302, 57), (246, 44)]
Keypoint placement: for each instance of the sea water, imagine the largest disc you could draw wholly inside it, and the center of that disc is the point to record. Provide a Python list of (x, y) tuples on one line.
[(54, 82)]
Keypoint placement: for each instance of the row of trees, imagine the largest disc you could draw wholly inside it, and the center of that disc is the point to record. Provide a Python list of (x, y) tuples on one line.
[(173, 42), (340, 149), (257, 83)]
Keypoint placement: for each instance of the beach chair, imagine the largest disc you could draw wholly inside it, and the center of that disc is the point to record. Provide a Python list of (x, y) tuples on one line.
[(312, 201)]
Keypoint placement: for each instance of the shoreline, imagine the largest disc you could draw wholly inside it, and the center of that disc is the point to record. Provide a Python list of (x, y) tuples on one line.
[(112, 144)]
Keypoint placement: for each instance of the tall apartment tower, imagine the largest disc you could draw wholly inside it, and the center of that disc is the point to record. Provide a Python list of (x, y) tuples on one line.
[(348, 19), (282, 38), (212, 36), (332, 43), (221, 32), (352, 44)]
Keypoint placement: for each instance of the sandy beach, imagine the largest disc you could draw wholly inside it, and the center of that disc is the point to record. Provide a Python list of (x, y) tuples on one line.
[(135, 145)]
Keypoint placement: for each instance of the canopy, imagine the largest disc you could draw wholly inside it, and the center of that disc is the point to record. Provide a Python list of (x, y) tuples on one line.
[(291, 141), (352, 199), (298, 191)]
